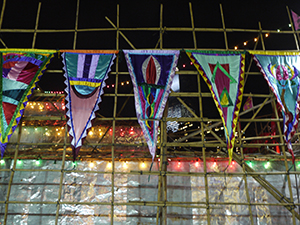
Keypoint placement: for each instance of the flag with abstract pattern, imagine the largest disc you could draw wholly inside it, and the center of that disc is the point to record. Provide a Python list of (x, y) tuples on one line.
[(152, 73), (85, 73), (21, 69), (223, 72), (281, 71)]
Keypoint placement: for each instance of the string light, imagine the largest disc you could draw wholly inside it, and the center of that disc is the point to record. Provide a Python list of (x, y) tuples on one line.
[(266, 35), (178, 164), (2, 162), (235, 47), (91, 165), (183, 65), (245, 43), (143, 165), (255, 39)]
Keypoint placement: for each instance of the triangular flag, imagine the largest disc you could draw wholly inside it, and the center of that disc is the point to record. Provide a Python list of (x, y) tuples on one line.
[(248, 104), (281, 71), (21, 69), (85, 73), (224, 74), (152, 73), (296, 20)]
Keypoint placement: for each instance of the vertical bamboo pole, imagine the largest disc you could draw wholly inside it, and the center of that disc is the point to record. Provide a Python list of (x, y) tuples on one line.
[(285, 160), (61, 175), (292, 25), (224, 29), (36, 24), (114, 124), (203, 152), (160, 26), (12, 172), (193, 26), (261, 37), (2, 13), (244, 176), (76, 26)]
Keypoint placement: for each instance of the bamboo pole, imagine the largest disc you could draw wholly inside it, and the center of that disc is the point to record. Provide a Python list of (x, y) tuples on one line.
[(1, 20), (261, 37), (254, 115), (61, 176), (76, 25), (224, 28), (121, 33), (245, 177), (36, 24), (193, 26), (12, 174), (293, 29), (285, 160), (114, 123), (160, 27)]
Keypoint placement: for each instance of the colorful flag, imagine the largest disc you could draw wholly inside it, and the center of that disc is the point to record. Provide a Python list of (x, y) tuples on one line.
[(248, 104), (152, 73), (85, 73), (224, 74), (281, 71), (21, 69), (296, 20)]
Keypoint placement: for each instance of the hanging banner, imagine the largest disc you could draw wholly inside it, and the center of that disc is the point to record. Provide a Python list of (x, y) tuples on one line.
[(21, 69), (152, 73), (281, 71), (223, 72), (85, 73)]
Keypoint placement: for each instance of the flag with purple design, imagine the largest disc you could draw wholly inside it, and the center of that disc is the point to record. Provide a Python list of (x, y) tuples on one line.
[(223, 72), (281, 71), (296, 20), (21, 69), (85, 73), (152, 73)]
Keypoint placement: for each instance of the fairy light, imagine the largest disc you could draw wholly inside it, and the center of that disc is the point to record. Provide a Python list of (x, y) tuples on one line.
[(232, 164), (267, 165), (214, 164), (178, 164), (107, 86), (235, 47), (191, 63), (266, 35), (278, 30), (91, 164), (245, 43), (255, 39), (122, 83), (143, 165), (91, 133), (183, 65), (112, 85), (127, 82)]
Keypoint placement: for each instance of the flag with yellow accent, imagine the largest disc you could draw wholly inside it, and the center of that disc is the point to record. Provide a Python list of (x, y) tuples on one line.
[(223, 72)]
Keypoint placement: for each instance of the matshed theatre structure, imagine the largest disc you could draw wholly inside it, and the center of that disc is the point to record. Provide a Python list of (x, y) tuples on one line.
[(192, 179)]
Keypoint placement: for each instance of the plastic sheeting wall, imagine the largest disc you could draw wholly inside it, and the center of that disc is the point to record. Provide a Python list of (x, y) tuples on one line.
[(34, 194)]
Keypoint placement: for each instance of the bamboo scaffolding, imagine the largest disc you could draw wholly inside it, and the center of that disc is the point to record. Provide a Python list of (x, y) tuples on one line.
[(162, 202), (36, 24)]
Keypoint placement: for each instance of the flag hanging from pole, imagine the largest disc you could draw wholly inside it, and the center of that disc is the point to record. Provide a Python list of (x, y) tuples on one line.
[(85, 73), (248, 104), (223, 72), (21, 69), (152, 73), (281, 71), (296, 20)]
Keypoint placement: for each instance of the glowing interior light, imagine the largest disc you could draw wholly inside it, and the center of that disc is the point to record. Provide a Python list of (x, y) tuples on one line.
[(74, 163), (125, 165), (2, 162), (178, 164), (197, 164), (91, 165), (109, 165), (250, 164), (143, 165), (214, 164), (267, 165), (37, 162), (19, 162)]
